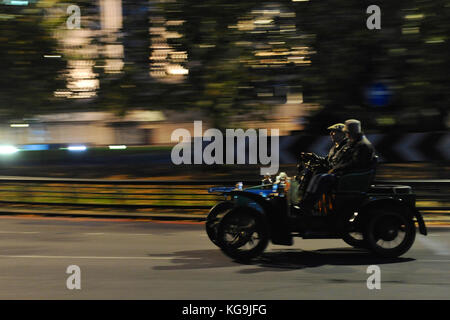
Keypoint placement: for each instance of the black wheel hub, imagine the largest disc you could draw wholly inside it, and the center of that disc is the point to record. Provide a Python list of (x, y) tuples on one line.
[(240, 234), (388, 229), (389, 234)]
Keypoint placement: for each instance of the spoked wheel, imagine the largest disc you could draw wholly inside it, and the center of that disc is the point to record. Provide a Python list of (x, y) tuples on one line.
[(242, 234), (356, 240), (213, 219), (390, 234)]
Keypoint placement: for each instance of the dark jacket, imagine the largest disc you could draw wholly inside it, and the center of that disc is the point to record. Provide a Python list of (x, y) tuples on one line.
[(355, 156), (333, 156)]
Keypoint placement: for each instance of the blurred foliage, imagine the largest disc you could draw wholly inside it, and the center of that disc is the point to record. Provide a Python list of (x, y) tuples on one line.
[(27, 80), (409, 55), (216, 63)]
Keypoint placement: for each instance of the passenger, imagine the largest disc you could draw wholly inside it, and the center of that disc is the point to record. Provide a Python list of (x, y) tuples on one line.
[(357, 154)]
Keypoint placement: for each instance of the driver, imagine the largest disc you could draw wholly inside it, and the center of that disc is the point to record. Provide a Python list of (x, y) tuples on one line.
[(324, 164), (339, 139)]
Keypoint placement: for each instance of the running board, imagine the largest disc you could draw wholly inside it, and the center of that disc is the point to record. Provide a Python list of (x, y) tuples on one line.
[(317, 235)]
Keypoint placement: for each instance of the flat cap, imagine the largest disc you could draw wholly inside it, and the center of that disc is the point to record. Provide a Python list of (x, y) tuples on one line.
[(337, 127)]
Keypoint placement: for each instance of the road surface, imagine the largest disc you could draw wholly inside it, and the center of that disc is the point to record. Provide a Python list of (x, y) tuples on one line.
[(125, 259)]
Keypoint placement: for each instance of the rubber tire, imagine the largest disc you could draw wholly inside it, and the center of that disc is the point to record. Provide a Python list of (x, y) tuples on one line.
[(261, 229), (212, 220), (405, 245), (355, 243)]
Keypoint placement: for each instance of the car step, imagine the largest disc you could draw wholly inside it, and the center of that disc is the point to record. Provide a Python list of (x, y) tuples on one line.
[(319, 235)]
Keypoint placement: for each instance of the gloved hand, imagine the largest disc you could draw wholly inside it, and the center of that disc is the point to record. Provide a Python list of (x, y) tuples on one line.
[(307, 155)]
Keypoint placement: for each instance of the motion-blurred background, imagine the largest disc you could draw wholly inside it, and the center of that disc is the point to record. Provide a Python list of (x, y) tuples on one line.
[(95, 88)]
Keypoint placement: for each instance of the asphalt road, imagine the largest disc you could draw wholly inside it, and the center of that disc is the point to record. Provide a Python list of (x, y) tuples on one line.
[(122, 259)]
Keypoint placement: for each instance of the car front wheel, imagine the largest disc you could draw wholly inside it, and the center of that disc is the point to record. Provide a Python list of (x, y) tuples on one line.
[(213, 219), (243, 234)]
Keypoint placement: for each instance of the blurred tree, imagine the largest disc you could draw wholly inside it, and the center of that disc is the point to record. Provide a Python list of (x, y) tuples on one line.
[(409, 55), (28, 78), (131, 87), (222, 40), (216, 64)]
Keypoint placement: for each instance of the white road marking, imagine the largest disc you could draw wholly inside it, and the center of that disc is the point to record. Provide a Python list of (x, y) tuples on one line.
[(86, 233), (19, 232), (117, 233), (130, 258), (92, 257)]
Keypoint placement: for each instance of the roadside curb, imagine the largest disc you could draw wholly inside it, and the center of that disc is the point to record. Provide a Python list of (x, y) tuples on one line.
[(119, 215), (98, 216)]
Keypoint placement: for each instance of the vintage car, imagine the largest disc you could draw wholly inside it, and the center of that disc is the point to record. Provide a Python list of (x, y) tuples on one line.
[(379, 218)]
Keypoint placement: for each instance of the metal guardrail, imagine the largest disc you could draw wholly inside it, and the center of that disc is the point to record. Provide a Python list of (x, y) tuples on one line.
[(138, 194)]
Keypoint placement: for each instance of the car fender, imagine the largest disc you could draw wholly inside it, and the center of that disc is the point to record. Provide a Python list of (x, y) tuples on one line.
[(376, 202), (221, 206), (261, 204)]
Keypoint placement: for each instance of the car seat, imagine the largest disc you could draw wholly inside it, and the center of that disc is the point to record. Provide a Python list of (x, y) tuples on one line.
[(358, 181)]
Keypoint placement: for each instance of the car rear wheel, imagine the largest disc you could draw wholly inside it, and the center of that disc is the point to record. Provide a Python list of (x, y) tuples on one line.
[(243, 234), (389, 233)]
